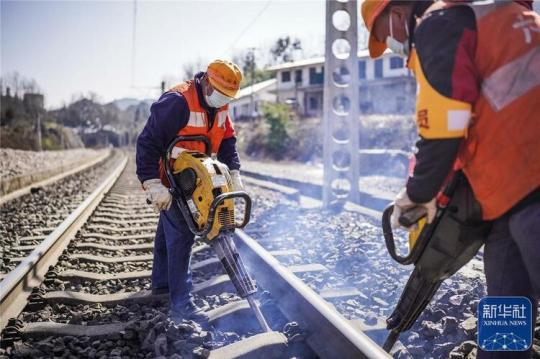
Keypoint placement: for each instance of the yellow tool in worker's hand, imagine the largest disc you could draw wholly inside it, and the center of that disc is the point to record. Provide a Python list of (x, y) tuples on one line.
[(437, 249), (415, 232), (201, 187)]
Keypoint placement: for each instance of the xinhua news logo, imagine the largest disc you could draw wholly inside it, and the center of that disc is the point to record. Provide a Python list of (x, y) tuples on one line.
[(504, 323)]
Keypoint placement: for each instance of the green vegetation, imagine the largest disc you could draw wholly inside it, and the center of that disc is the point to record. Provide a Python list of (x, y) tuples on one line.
[(277, 117), (279, 134)]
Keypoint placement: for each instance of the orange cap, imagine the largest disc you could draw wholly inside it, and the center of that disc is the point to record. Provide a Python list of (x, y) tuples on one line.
[(224, 76), (371, 9)]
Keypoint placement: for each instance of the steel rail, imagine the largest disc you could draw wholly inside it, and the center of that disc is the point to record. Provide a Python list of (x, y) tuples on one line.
[(330, 334), (18, 284)]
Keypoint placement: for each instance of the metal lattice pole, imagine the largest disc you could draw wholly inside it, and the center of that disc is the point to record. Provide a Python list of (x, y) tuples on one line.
[(341, 103)]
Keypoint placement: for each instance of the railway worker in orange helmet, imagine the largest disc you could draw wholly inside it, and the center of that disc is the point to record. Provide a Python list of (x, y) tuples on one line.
[(198, 106)]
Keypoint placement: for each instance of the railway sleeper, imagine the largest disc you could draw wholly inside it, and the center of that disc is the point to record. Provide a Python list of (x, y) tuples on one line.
[(129, 211), (134, 202), (100, 211), (118, 238), (123, 216), (209, 263), (100, 227), (77, 275), (125, 221), (234, 316), (32, 238), (134, 247)]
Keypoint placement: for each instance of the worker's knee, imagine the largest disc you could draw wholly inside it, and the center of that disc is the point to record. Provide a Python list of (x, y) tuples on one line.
[(505, 270), (175, 228), (525, 227)]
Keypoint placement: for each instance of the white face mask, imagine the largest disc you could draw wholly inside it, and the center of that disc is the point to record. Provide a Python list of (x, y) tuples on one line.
[(217, 99), (400, 48)]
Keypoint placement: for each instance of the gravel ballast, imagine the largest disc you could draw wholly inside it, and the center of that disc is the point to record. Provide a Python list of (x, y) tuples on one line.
[(14, 163), (39, 212)]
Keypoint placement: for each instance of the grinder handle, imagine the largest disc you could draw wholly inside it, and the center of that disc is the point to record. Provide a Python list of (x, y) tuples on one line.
[(390, 241), (216, 202), (412, 216)]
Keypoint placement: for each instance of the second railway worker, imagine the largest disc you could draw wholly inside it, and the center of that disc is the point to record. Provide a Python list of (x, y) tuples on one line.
[(196, 107), (477, 67)]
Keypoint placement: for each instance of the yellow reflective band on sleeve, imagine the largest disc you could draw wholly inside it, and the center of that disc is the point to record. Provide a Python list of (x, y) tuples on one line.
[(437, 116)]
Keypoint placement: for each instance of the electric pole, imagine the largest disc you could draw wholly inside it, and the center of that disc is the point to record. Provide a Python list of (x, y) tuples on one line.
[(39, 131), (251, 59), (62, 144), (341, 106)]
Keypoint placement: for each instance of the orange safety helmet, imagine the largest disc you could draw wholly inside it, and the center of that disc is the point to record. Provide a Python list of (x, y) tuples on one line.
[(371, 9), (225, 77)]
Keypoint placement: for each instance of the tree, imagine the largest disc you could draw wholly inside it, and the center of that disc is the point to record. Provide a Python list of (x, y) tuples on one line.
[(284, 49), (30, 86), (193, 67), (13, 81), (18, 85), (172, 80), (277, 117), (251, 71)]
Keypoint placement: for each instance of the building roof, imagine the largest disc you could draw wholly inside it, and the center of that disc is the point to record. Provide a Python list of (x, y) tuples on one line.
[(299, 63), (247, 91), (314, 61)]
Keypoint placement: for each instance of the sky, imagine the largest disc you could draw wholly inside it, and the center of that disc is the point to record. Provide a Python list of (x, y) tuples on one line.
[(77, 47)]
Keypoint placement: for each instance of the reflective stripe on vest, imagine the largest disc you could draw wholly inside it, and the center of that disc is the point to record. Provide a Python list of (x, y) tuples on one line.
[(486, 7), (221, 118), (197, 119), (513, 79)]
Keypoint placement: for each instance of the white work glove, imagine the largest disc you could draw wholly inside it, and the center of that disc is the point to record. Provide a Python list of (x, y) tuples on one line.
[(158, 195), (402, 203), (237, 184)]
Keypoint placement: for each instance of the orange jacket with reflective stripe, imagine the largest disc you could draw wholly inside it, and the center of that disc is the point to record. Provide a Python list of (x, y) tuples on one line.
[(198, 124), (501, 153)]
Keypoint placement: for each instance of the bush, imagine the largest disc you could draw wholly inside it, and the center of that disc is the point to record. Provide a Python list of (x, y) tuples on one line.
[(277, 139)]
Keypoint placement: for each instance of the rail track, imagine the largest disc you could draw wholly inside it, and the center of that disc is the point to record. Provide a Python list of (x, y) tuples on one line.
[(84, 292)]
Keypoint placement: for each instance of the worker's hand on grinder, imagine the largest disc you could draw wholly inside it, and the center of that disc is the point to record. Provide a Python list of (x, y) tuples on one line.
[(236, 181), (157, 194), (403, 203)]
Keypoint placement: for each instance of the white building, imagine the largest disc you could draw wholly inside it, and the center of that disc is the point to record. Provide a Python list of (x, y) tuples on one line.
[(242, 106), (386, 85)]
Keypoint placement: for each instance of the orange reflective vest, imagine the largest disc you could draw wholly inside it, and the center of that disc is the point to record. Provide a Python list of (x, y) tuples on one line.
[(501, 152), (198, 125)]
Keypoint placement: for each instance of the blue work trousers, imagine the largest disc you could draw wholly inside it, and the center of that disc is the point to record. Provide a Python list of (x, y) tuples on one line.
[(172, 254), (512, 263)]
